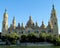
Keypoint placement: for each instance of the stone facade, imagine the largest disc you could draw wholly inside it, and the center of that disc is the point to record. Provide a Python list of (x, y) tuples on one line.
[(51, 28)]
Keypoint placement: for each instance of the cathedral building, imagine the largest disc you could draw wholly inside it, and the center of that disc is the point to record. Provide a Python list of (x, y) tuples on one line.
[(30, 26)]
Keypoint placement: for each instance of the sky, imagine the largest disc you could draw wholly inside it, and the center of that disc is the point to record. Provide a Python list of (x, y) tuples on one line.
[(22, 9)]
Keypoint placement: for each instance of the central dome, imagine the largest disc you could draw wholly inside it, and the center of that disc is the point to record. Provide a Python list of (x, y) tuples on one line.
[(30, 22)]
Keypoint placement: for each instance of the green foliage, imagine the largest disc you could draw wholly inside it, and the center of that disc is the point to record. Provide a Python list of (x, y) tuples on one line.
[(31, 37), (13, 35), (23, 38), (12, 38), (42, 37), (49, 38)]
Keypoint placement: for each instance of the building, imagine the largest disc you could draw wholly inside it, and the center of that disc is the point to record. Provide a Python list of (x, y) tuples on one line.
[(51, 28)]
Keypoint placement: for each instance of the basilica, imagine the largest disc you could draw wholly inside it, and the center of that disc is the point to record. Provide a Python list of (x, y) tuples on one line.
[(30, 26)]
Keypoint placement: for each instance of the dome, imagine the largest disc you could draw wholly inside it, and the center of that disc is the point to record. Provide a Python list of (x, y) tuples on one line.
[(30, 21), (43, 26)]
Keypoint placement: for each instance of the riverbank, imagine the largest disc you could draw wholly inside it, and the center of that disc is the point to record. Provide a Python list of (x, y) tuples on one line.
[(7, 46), (36, 44)]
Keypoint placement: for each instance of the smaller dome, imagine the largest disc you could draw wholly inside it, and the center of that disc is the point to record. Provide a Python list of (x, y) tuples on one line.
[(43, 26)]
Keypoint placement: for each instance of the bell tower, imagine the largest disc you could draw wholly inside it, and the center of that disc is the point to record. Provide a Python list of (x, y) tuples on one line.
[(5, 22), (53, 20)]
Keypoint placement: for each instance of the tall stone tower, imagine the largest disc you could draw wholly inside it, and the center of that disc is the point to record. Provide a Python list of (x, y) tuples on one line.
[(5, 22), (53, 20)]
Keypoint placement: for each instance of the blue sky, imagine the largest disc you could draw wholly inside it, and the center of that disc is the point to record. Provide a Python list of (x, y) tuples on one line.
[(22, 9)]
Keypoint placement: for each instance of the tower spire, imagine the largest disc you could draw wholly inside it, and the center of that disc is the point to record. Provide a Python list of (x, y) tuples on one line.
[(14, 23), (42, 22), (36, 23), (53, 12), (30, 18), (53, 6), (5, 9), (22, 25)]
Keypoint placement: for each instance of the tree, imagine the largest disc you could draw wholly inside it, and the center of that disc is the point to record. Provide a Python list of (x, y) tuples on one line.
[(23, 38), (49, 38), (12, 38), (42, 37), (31, 37)]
